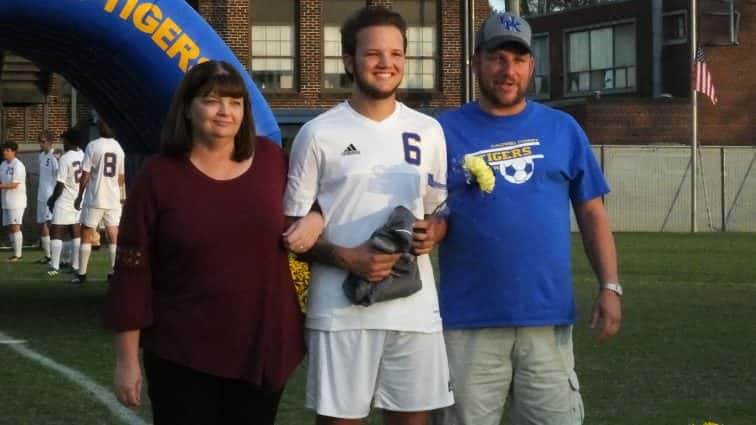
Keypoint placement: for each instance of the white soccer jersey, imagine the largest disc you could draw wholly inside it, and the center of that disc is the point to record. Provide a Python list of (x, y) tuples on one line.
[(69, 174), (13, 172), (104, 160), (48, 173), (359, 170)]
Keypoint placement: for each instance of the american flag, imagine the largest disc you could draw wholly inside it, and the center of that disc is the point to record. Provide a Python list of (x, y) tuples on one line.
[(702, 78)]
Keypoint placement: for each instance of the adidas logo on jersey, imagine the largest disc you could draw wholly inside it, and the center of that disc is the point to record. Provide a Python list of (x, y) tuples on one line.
[(351, 150)]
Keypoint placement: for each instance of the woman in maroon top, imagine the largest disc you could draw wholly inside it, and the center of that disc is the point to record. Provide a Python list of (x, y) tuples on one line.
[(202, 280)]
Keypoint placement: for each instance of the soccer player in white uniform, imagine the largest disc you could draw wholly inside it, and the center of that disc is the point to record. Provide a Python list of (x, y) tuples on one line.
[(61, 202), (359, 161), (48, 172), (102, 178), (13, 186)]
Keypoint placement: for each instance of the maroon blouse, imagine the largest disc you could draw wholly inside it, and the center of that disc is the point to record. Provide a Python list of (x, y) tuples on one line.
[(202, 272)]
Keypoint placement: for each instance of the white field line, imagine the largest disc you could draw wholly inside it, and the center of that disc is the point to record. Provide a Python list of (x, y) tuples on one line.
[(103, 395)]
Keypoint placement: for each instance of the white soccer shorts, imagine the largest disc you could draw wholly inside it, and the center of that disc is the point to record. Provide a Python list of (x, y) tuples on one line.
[(91, 217), (398, 371), (14, 216), (65, 215)]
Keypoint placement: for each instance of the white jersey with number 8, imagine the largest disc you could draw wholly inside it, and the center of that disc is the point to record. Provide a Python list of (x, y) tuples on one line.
[(104, 161)]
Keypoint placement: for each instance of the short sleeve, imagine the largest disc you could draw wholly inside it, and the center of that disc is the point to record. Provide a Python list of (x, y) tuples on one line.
[(62, 174), (19, 173), (435, 192), (304, 174), (588, 180), (128, 302)]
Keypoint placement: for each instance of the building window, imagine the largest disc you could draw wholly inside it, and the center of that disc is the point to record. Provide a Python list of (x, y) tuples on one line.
[(273, 44), (335, 13), (422, 35), (539, 85), (601, 59), (675, 27), (548, 7)]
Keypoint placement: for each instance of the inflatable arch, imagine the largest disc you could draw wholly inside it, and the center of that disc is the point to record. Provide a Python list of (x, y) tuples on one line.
[(125, 56)]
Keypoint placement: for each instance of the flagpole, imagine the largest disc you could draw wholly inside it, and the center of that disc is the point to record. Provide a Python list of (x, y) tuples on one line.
[(694, 107)]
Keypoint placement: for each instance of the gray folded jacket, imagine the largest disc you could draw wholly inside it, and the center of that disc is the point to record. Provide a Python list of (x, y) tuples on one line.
[(393, 237)]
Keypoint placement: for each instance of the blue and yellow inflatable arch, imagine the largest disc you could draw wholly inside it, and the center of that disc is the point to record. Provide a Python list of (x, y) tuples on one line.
[(125, 56)]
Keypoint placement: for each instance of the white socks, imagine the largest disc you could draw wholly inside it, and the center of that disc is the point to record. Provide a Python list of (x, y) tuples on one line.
[(17, 240), (76, 245), (86, 249), (45, 240), (65, 256), (112, 248), (56, 247)]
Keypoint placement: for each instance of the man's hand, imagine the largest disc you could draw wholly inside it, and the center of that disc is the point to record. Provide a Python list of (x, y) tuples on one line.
[(606, 315), (77, 203), (426, 233), (366, 262)]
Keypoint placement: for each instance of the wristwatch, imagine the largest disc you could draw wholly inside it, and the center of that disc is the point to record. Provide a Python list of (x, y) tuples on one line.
[(612, 286)]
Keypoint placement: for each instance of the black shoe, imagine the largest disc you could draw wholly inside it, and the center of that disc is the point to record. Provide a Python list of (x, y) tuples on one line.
[(109, 278), (64, 265), (79, 279), (44, 260)]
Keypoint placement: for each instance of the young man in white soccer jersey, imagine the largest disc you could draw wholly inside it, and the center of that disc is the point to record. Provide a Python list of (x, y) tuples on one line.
[(13, 186), (102, 178), (61, 202), (48, 171), (359, 161)]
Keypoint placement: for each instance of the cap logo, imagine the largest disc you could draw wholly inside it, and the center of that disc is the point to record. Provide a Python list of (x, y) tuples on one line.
[(510, 23)]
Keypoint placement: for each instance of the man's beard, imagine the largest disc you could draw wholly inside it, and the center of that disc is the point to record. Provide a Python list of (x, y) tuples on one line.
[(491, 97), (371, 91)]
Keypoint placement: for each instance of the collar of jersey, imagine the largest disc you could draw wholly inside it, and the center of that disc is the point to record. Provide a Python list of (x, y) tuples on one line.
[(382, 123)]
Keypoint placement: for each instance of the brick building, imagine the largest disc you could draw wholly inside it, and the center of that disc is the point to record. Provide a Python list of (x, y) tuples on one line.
[(596, 62)]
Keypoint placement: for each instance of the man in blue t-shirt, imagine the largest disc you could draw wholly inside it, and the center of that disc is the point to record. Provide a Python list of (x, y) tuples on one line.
[(506, 291)]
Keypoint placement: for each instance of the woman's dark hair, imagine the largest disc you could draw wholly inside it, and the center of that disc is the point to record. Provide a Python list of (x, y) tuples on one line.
[(215, 77), (369, 16)]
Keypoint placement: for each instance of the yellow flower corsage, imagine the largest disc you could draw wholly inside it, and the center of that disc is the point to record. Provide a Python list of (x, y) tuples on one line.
[(480, 171)]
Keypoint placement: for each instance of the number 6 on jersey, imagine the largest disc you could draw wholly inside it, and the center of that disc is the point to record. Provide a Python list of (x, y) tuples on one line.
[(411, 143)]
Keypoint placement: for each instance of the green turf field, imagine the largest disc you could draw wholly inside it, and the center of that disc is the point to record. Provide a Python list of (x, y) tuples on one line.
[(686, 353)]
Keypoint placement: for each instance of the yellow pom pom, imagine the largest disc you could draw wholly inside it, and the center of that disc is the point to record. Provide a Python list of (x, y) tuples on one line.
[(479, 170)]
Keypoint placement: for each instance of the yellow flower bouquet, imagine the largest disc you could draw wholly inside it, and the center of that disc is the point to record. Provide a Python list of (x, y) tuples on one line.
[(300, 274)]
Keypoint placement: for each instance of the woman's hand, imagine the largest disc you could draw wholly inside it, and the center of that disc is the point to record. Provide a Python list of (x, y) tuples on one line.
[(127, 382), (303, 233), (127, 377)]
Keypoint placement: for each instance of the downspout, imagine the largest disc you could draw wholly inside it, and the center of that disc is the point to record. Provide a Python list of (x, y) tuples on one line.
[(74, 106), (657, 42), (467, 50)]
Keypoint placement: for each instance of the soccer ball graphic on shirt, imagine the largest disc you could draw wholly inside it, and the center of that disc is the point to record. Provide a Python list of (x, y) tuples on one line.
[(517, 170)]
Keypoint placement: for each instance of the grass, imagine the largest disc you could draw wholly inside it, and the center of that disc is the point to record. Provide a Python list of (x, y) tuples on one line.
[(685, 353)]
